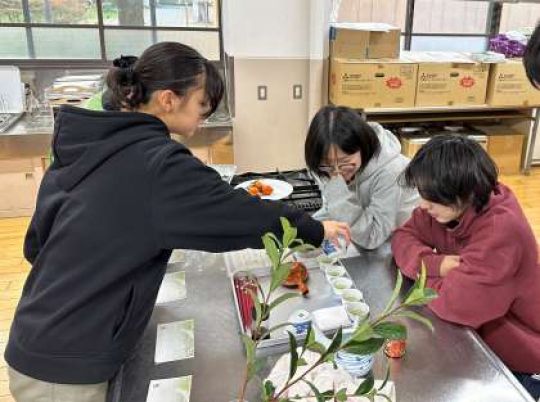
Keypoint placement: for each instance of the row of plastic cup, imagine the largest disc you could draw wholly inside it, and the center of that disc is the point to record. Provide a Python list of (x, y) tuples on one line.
[(342, 286)]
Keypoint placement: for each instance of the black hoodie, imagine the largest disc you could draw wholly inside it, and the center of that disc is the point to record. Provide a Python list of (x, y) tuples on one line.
[(118, 197)]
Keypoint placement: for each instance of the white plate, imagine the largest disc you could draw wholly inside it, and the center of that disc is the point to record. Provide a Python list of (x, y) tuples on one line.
[(281, 188)]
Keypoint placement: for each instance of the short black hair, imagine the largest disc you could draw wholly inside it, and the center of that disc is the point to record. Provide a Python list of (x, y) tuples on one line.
[(452, 170), (343, 127), (531, 59)]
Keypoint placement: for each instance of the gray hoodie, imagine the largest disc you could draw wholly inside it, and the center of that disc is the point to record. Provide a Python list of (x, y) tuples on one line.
[(373, 204)]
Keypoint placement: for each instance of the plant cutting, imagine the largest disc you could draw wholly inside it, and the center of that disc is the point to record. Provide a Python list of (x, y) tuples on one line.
[(367, 338)]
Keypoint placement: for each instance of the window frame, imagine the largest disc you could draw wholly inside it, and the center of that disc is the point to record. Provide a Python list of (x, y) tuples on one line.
[(493, 21), (102, 62)]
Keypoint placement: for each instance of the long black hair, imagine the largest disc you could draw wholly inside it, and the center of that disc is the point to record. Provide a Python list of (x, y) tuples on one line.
[(343, 127), (165, 65), (531, 59), (452, 170)]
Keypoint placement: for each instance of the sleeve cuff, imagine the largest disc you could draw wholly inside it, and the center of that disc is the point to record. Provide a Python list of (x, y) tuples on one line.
[(433, 264), (310, 230)]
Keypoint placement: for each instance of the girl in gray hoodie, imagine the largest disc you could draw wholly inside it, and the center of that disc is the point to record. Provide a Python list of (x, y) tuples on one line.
[(357, 165)]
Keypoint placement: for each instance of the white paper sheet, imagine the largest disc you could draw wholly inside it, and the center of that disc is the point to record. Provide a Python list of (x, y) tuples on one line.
[(169, 390), (175, 341), (173, 288)]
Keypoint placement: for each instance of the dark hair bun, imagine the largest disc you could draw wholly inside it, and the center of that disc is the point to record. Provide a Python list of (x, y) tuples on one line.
[(127, 91), (125, 62)]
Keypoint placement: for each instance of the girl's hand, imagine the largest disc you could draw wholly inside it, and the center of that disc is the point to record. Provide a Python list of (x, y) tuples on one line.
[(333, 230), (448, 263)]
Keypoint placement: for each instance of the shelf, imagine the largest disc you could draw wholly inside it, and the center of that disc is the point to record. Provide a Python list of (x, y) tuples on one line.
[(444, 114), (445, 109)]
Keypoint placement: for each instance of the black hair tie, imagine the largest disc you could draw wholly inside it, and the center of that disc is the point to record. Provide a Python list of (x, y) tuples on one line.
[(125, 62), (127, 66)]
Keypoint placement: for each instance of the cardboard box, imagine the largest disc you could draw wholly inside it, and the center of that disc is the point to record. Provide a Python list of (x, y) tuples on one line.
[(505, 146), (364, 41), (365, 84), (509, 86), (449, 79)]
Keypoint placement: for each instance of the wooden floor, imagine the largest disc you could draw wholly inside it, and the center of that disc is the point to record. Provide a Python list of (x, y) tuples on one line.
[(13, 267)]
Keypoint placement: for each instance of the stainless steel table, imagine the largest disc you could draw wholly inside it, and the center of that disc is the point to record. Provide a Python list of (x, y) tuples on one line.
[(453, 364)]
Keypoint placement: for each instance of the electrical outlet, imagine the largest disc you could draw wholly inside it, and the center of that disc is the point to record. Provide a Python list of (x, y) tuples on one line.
[(262, 92), (297, 91)]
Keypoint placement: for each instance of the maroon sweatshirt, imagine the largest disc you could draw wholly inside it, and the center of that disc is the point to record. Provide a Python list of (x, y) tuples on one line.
[(496, 287)]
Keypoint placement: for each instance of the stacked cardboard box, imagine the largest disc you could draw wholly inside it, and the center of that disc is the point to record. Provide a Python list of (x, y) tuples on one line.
[(509, 86), (365, 70), (384, 83), (449, 79)]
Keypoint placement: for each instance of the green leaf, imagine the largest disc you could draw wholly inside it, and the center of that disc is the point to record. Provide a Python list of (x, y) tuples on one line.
[(316, 392), (367, 347), (341, 395), (279, 275), (263, 297), (289, 233), (430, 293), (317, 348), (294, 355), (302, 362), (423, 276), (271, 250), (276, 240), (390, 330), (276, 327), (335, 344), (327, 395), (415, 316), (329, 358), (310, 339), (277, 301), (302, 248), (289, 237), (362, 333), (269, 389), (255, 367), (258, 308), (418, 286), (249, 345), (386, 377), (420, 297), (395, 293), (366, 386)]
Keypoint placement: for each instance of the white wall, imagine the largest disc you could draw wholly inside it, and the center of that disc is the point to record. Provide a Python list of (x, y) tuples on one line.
[(288, 29), (278, 44)]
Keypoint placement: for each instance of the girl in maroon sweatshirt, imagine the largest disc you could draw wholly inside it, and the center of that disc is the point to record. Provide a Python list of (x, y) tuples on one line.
[(479, 250)]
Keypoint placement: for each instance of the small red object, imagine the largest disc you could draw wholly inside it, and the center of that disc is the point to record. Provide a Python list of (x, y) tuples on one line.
[(467, 82), (394, 83), (395, 348)]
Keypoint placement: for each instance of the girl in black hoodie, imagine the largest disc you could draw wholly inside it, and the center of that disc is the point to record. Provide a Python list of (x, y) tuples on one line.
[(119, 196)]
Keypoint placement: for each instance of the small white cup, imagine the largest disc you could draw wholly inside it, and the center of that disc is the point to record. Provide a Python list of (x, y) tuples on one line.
[(334, 271), (352, 296), (326, 261), (357, 311), (341, 284)]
